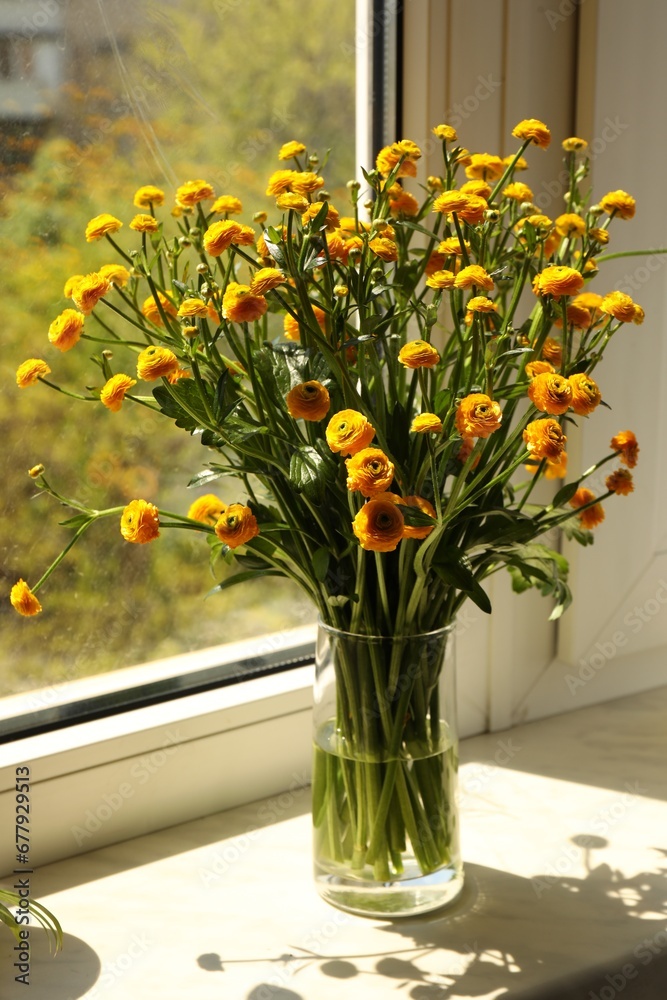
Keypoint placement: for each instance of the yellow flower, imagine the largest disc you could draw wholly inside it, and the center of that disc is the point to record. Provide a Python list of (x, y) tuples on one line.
[(348, 432), (473, 211), (480, 303), (188, 194), (618, 203), (477, 415), (452, 245), (402, 202), (236, 525), (150, 310), (140, 522), (308, 401), (536, 131), (88, 292), (384, 249), (550, 393), (23, 600), (30, 372), (228, 204), (639, 315), (589, 300), (421, 530), (625, 443), (484, 166), (156, 362), (552, 351), (534, 368), (148, 195), (445, 132), (281, 181), (379, 525), (521, 163), (66, 329), (113, 392), (586, 394), (192, 307), (208, 509), (265, 279), (115, 274), (289, 150), (220, 236), (570, 224), (573, 144), (473, 276), (307, 182), (144, 224), (545, 439), (620, 482), (557, 280), (426, 423), (332, 220), (620, 306), (290, 199), (101, 225), (369, 471), (291, 326), (557, 469), (389, 157), (542, 223), (177, 374), (592, 516), (577, 316), (599, 235), (479, 188), (240, 305), (72, 283), (36, 471), (441, 279), (518, 191), (450, 201), (418, 354)]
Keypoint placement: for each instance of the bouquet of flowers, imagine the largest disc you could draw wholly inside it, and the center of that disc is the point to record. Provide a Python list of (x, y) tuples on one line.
[(378, 395)]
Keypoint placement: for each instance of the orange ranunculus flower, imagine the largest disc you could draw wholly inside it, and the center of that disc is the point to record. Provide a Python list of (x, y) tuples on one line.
[(289, 150), (290, 199), (348, 432), (332, 219), (586, 394), (156, 362), (245, 238), (573, 144), (557, 280), (536, 131), (570, 224), (178, 373), (479, 188), (619, 305), (484, 166), (227, 204), (384, 249), (291, 326), (620, 482), (101, 225), (148, 195), (88, 292), (66, 329), (592, 516), (192, 307), (72, 283), (30, 371), (542, 223), (307, 182), (545, 439), (446, 132), (389, 157), (481, 304), (465, 451), (441, 279), (426, 423), (265, 279), (473, 276), (239, 305), (577, 316), (113, 391), (477, 415), (625, 443), (557, 469), (451, 246), (308, 401), (379, 525), (419, 530), (552, 351), (599, 235), (436, 262), (208, 509), (335, 246), (450, 201), (550, 393), (618, 203), (220, 235), (589, 300), (150, 310), (236, 525), (115, 274), (418, 354), (188, 194), (517, 191), (280, 181), (144, 224), (140, 522), (474, 209), (369, 471), (23, 600), (402, 202), (534, 368)]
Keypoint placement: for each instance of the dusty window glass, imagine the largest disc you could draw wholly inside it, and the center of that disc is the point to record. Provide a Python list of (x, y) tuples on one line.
[(97, 99)]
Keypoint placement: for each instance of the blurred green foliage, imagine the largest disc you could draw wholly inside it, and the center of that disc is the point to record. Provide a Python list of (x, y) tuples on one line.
[(171, 97)]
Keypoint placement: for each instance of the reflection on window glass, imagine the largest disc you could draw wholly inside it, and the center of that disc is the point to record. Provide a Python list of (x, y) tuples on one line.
[(96, 99)]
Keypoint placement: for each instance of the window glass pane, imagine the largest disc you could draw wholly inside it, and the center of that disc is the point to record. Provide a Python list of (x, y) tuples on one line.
[(97, 99)]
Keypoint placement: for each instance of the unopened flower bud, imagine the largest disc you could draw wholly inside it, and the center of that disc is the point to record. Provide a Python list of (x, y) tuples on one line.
[(595, 210), (36, 471), (202, 268), (491, 215), (134, 253), (379, 224), (341, 291), (194, 232), (260, 217), (107, 354), (368, 205), (183, 241), (323, 195), (353, 185), (377, 274), (313, 160), (431, 314), (435, 183)]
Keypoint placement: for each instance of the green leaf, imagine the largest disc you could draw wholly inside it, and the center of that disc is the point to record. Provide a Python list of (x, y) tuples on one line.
[(453, 566), (321, 560), (565, 494), (417, 517), (250, 574), (75, 522), (205, 477), (7, 917), (226, 397), (272, 238), (320, 219), (309, 473)]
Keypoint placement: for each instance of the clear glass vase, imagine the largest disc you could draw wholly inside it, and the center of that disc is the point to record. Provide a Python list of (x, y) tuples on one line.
[(385, 817)]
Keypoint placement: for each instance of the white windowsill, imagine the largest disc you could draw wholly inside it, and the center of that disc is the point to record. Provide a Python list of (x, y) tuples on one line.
[(224, 906)]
